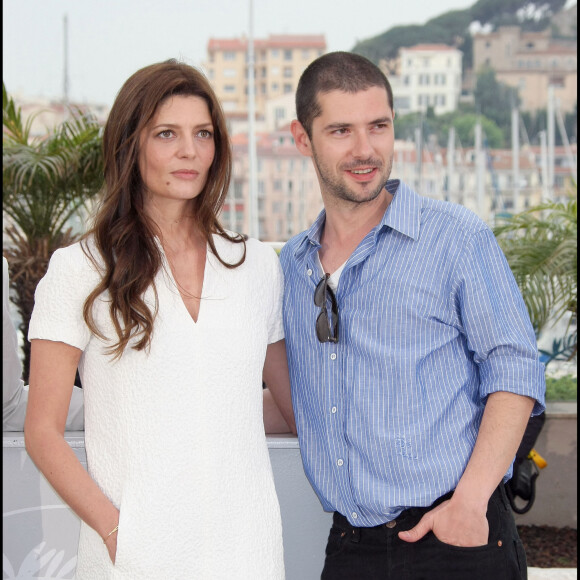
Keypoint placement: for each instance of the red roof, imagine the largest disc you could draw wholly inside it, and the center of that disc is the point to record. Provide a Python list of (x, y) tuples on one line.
[(273, 41)]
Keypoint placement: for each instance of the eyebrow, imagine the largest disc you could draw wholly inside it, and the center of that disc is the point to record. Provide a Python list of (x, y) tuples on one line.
[(177, 125), (335, 126)]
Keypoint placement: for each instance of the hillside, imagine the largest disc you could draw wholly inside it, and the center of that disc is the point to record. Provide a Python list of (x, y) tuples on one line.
[(453, 28)]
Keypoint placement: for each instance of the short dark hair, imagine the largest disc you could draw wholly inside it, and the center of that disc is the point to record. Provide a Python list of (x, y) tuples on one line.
[(335, 71)]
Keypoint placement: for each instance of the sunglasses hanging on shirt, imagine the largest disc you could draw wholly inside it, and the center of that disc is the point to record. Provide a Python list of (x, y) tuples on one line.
[(326, 326)]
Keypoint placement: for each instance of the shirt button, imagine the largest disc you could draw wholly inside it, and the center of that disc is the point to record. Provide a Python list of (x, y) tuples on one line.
[(309, 272), (333, 356), (340, 463), (354, 515), (333, 410)]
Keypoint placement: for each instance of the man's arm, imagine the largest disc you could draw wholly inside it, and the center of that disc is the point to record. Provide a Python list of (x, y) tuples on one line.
[(461, 520), (278, 412)]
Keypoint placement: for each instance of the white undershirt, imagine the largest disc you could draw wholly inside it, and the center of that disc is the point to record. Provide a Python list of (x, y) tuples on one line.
[(334, 277)]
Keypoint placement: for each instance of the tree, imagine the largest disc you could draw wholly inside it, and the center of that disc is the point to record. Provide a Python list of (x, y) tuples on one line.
[(495, 100), (46, 181), (541, 247)]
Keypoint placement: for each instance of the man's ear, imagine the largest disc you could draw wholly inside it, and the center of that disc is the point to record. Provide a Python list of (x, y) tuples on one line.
[(301, 139)]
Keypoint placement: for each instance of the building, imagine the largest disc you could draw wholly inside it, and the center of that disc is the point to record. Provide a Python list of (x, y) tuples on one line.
[(428, 75), (288, 194), (49, 113), (530, 62), (278, 63)]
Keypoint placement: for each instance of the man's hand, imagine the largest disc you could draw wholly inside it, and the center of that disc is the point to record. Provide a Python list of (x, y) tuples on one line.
[(452, 524)]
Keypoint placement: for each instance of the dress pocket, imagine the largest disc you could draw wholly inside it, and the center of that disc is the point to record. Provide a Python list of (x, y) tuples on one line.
[(120, 536)]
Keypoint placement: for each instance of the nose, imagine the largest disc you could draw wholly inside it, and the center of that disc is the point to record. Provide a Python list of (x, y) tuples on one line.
[(362, 147), (187, 147)]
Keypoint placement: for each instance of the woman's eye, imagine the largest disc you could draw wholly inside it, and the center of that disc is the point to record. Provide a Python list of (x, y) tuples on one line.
[(205, 134), (165, 134)]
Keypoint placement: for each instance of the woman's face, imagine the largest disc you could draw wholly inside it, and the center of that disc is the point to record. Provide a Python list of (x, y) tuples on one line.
[(177, 149)]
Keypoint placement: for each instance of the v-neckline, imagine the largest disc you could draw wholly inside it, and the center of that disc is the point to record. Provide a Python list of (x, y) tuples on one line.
[(167, 267)]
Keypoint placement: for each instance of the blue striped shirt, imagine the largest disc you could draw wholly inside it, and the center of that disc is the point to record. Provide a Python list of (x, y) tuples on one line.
[(431, 322)]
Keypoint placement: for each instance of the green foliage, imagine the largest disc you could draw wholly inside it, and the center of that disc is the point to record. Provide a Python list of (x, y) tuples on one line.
[(533, 16), (46, 181), (452, 28), (495, 100), (536, 121), (562, 389), (449, 28), (439, 126), (540, 245)]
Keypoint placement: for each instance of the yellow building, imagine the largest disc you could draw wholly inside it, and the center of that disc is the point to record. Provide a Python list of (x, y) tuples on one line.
[(278, 60), (530, 62)]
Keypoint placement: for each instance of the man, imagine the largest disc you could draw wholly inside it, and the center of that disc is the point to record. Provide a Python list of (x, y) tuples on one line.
[(413, 362)]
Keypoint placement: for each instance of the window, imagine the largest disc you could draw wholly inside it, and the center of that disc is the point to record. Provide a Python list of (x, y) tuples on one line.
[(229, 55), (305, 54), (287, 88), (238, 190), (229, 72), (275, 53), (406, 80), (277, 184), (275, 87), (288, 54), (288, 72), (275, 70), (279, 113), (402, 103), (229, 88)]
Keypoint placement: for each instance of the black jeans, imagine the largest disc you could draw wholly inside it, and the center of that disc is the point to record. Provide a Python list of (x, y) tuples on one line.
[(378, 554)]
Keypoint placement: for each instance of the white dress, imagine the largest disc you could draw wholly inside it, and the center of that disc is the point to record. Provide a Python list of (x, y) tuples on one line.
[(175, 437)]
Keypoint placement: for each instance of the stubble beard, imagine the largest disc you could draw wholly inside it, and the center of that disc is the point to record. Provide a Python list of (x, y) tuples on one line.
[(339, 189)]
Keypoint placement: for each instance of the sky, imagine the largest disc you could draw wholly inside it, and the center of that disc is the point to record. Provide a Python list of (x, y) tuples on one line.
[(108, 40)]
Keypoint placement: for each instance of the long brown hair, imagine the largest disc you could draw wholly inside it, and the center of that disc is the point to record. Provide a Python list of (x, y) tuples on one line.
[(123, 234)]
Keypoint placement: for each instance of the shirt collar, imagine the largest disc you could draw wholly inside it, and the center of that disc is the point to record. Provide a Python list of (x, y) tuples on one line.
[(403, 215), (404, 212)]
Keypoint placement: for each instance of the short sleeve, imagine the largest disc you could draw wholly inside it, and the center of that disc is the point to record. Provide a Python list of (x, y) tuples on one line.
[(276, 282), (60, 296)]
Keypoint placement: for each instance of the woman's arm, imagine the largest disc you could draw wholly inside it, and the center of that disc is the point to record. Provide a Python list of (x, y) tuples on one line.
[(278, 412), (52, 372)]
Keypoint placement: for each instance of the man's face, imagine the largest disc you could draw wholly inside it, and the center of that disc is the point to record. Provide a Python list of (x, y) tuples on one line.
[(352, 144)]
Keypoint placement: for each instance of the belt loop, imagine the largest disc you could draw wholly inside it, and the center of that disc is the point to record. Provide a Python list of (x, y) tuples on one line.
[(355, 535)]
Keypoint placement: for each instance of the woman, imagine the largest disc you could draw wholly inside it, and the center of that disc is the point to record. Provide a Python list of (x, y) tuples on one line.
[(173, 323)]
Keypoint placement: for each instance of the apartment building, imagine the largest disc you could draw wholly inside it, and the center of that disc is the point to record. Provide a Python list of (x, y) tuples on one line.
[(530, 62), (428, 75), (278, 63), (288, 194)]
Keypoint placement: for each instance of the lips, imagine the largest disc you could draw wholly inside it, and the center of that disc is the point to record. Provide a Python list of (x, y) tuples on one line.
[(185, 173), (363, 173)]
